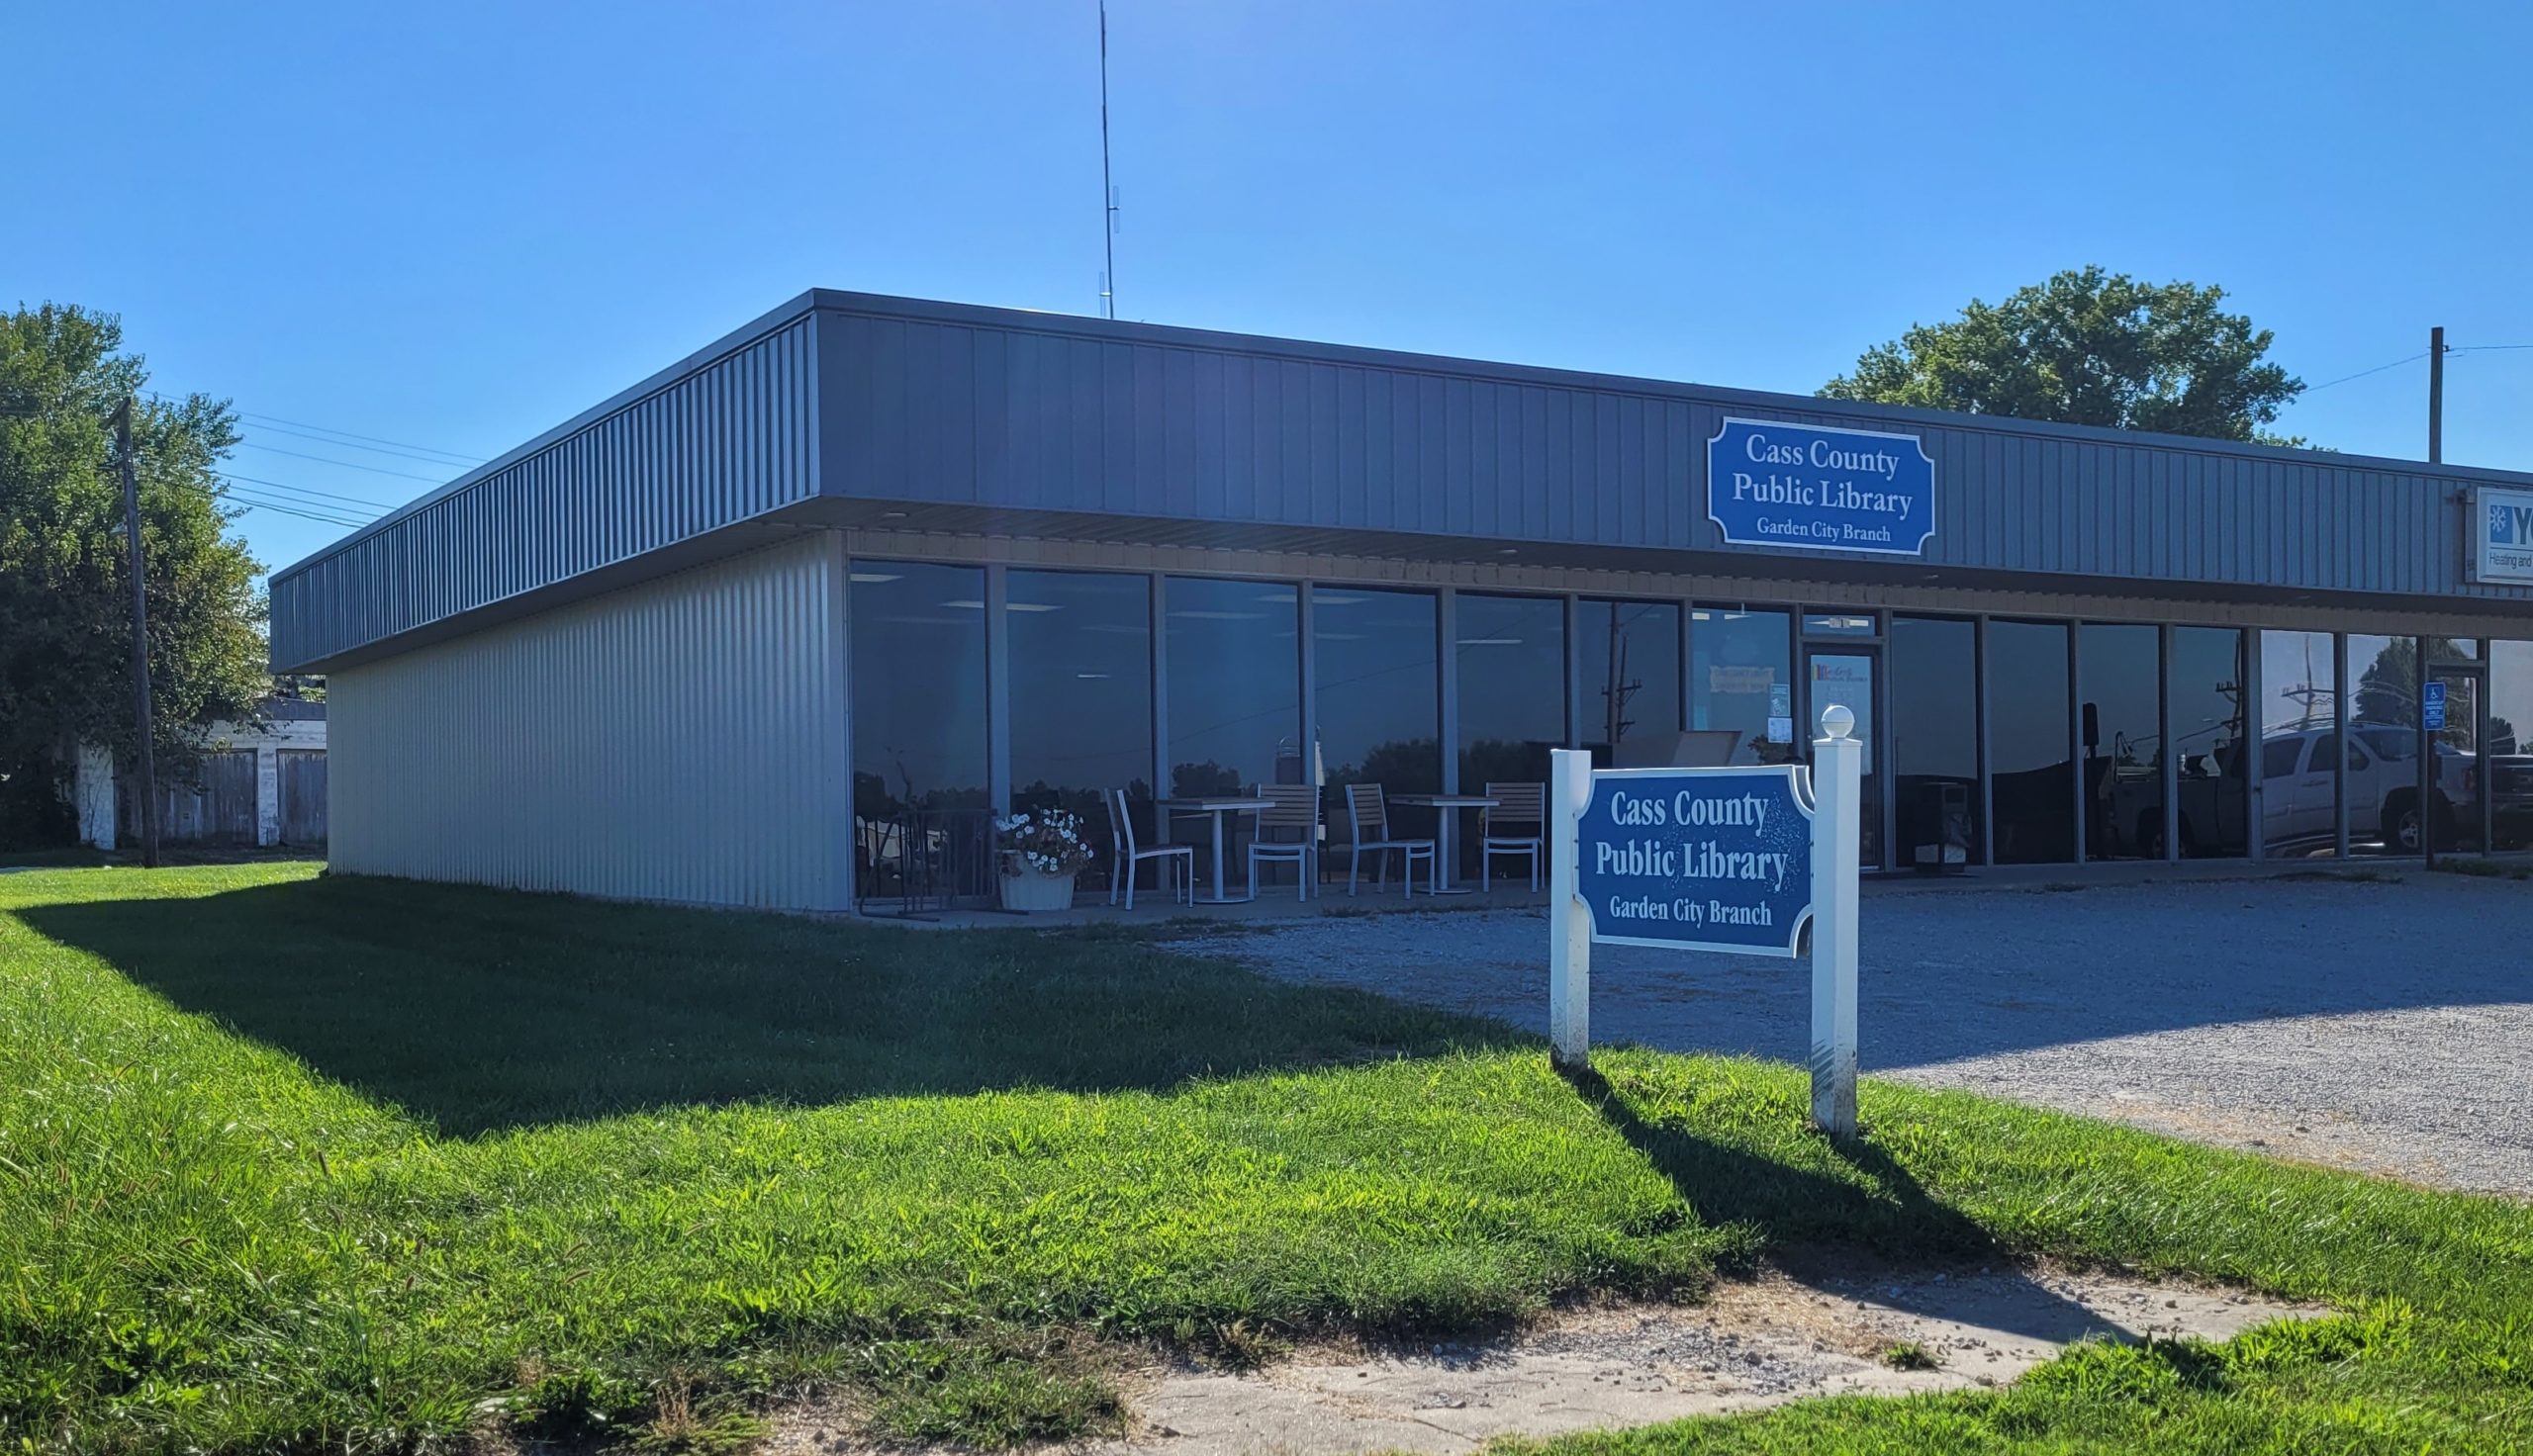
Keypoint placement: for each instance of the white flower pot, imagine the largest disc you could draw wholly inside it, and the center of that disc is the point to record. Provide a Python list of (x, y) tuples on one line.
[(1030, 889)]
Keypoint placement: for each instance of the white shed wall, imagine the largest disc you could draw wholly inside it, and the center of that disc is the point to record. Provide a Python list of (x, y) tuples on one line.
[(680, 739)]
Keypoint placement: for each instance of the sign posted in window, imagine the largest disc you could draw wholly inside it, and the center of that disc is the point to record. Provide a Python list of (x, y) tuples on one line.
[(1743, 861)]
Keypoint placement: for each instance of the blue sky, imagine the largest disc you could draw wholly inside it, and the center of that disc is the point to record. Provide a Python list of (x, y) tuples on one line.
[(455, 224)]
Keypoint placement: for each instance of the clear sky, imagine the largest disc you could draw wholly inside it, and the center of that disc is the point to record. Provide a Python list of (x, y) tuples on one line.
[(453, 226)]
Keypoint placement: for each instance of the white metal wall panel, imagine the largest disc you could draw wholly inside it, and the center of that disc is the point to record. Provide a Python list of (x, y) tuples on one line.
[(677, 740)]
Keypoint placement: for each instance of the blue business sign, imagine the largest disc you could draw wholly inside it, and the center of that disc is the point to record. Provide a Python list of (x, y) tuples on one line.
[(1696, 859), (2431, 706), (1774, 484)]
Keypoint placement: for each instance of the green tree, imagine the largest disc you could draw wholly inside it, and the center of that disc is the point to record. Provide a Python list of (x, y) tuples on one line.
[(66, 595), (2089, 347)]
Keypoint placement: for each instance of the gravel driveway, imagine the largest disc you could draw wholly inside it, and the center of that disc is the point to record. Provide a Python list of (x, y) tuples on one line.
[(2387, 1027)]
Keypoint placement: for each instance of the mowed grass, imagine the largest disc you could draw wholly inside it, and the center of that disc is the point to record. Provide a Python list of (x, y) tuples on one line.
[(290, 1163)]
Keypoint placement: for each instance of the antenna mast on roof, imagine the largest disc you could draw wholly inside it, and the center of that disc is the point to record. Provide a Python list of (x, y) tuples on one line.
[(1108, 280)]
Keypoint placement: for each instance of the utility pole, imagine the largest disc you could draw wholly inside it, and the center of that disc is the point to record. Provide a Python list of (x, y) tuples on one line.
[(2436, 396), (140, 638)]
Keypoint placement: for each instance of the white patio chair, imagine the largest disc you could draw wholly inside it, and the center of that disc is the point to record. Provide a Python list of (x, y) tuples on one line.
[(1367, 815), (1517, 825), (1292, 807), (1177, 863)]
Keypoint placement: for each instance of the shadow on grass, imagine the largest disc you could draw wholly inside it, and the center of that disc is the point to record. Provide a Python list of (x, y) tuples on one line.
[(1880, 1207), (1834, 1227), (482, 1009)]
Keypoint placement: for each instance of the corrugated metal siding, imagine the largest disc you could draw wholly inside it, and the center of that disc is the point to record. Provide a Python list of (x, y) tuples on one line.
[(732, 439), (677, 740), (1063, 414)]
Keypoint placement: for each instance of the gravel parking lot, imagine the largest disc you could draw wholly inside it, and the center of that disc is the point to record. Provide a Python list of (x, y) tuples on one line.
[(2384, 1026)]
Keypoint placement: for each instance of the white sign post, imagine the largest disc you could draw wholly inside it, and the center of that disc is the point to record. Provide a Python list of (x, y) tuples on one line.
[(1838, 845), (1732, 860)]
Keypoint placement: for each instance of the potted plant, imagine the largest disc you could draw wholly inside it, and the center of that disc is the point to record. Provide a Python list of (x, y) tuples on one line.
[(1042, 851)]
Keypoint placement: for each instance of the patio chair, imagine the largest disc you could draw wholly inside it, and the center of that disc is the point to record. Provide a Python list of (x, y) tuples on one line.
[(1291, 808), (1367, 815), (1176, 864), (1517, 825)]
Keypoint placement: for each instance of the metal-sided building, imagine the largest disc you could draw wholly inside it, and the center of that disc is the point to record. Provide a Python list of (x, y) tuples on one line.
[(780, 625)]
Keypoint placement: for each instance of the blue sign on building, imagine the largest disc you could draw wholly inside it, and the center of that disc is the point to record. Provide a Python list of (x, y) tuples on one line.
[(1696, 859), (2432, 704), (1774, 484)]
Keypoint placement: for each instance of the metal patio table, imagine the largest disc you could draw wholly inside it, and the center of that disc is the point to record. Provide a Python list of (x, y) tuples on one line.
[(1445, 807), (1217, 805)]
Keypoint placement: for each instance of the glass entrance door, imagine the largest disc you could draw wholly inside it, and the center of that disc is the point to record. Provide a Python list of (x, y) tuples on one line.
[(2459, 797), (1845, 676)]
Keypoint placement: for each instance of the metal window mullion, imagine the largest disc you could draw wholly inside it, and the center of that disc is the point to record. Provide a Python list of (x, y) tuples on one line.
[(2164, 729), (2254, 747), (2339, 736), (838, 705), (1305, 635), (1157, 596), (2487, 789), (1574, 672), (997, 691), (1885, 733), (1447, 612), (2076, 729), (1986, 781)]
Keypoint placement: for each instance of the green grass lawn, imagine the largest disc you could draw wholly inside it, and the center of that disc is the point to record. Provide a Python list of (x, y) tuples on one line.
[(290, 1163)]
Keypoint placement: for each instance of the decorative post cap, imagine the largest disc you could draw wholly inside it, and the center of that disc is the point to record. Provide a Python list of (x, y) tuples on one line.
[(1838, 721)]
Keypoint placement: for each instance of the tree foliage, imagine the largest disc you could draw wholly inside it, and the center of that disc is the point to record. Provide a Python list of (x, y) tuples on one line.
[(65, 593), (2089, 347)]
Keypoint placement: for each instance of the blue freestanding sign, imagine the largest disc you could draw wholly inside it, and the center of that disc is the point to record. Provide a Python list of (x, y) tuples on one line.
[(1769, 483), (2431, 703), (1735, 860), (1696, 859)]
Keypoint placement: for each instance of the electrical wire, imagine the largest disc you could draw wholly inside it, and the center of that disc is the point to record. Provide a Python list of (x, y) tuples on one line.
[(360, 500), (2361, 373), (254, 501), (346, 436), (415, 455), (405, 475)]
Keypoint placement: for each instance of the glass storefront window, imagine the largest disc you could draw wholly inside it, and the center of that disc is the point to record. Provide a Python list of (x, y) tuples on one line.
[(2030, 764), (2119, 698), (2299, 780), (1934, 741), (1742, 687), (1080, 655), (1511, 661), (1235, 684), (1380, 697), (2210, 750), (923, 824), (2511, 745), (918, 686), (2382, 744), (1628, 668)]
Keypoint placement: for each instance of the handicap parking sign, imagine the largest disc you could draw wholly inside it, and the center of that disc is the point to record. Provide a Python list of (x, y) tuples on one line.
[(2432, 707)]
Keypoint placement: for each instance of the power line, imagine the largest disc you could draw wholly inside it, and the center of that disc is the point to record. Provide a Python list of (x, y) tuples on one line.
[(359, 501), (254, 501), (373, 449), (2377, 369), (428, 480), (346, 436)]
